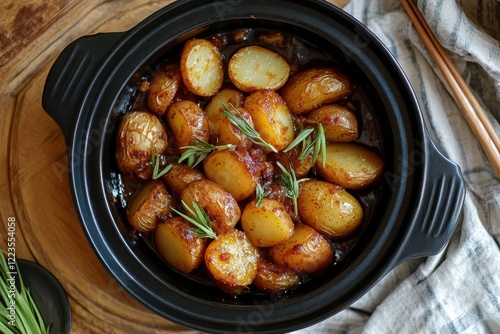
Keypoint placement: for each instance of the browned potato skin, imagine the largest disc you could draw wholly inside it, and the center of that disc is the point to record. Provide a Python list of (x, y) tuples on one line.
[(328, 208), (273, 278), (225, 97), (232, 261), (306, 252), (268, 224), (234, 170), (350, 165), (271, 118), (163, 87), (149, 205), (180, 176), (291, 158), (340, 123), (312, 88), (178, 244), (137, 133), (220, 206), (202, 76), (187, 122)]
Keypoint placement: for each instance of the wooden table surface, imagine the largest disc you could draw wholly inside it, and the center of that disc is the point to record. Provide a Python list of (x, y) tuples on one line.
[(34, 185)]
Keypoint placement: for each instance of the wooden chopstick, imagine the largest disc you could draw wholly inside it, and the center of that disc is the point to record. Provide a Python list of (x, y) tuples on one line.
[(474, 113)]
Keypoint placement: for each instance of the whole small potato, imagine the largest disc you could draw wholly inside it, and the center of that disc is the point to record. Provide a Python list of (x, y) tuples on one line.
[(187, 122), (314, 87), (138, 133), (201, 67), (350, 165), (271, 118), (178, 244), (328, 208), (273, 278), (220, 206), (268, 224), (180, 176), (231, 261), (163, 87), (306, 252), (340, 124), (234, 170), (215, 107), (149, 205), (254, 68), (225, 132)]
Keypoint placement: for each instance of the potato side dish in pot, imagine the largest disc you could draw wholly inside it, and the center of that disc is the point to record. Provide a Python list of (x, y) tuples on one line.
[(245, 161)]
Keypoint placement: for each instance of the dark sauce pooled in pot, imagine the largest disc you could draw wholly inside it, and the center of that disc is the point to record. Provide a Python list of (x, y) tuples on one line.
[(299, 54)]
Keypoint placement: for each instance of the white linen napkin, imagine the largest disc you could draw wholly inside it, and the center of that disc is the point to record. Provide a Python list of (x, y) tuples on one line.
[(458, 290)]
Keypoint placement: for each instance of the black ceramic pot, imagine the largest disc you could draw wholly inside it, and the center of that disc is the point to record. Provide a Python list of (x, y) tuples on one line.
[(421, 192)]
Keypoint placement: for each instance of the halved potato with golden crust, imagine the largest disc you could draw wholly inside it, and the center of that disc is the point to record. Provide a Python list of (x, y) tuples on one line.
[(163, 86), (329, 208), (306, 252), (225, 97), (340, 123), (271, 118), (201, 67), (234, 170), (220, 206), (268, 224), (350, 165), (178, 244), (272, 277), (232, 260), (224, 132), (138, 133), (254, 68), (187, 122), (180, 176), (149, 205), (314, 87)]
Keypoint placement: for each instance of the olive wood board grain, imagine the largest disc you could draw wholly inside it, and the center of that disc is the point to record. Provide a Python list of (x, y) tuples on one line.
[(34, 184)]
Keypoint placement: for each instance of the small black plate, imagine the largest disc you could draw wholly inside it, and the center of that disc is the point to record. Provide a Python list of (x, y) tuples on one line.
[(49, 296)]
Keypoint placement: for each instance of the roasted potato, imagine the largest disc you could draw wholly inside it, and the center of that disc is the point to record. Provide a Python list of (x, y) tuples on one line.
[(149, 205), (187, 122), (273, 278), (220, 206), (178, 244), (223, 132), (350, 165), (231, 261), (340, 123), (254, 68), (271, 118), (180, 176), (292, 158), (225, 97), (234, 170), (268, 224), (163, 87), (329, 208), (306, 252), (314, 87), (138, 133), (201, 67)]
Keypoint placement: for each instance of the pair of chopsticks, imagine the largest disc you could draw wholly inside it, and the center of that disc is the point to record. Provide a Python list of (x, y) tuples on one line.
[(475, 115)]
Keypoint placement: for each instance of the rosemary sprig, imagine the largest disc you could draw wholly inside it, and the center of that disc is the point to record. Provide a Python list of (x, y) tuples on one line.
[(309, 145), (199, 219), (27, 317), (291, 184), (155, 160), (261, 192), (239, 122), (195, 154)]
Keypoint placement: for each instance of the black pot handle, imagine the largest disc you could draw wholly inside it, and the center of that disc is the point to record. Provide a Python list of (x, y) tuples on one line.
[(70, 75), (438, 209)]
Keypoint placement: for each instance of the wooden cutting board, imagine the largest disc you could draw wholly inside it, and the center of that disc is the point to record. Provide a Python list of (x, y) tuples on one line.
[(34, 185)]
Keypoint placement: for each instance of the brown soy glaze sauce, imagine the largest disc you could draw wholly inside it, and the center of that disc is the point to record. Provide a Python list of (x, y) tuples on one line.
[(300, 54)]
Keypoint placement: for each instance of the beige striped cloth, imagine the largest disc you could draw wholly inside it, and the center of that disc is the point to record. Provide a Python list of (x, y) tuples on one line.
[(457, 291)]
